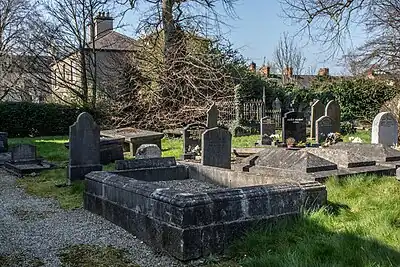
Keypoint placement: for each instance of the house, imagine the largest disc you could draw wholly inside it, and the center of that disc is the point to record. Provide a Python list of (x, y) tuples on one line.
[(104, 58)]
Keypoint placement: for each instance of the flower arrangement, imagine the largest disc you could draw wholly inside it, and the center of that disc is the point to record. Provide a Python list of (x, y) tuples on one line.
[(274, 137), (290, 141), (355, 139), (333, 138)]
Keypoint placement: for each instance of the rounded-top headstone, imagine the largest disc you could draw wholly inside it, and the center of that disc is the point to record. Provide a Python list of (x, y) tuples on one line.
[(332, 110), (384, 129), (212, 116), (148, 151), (317, 111)]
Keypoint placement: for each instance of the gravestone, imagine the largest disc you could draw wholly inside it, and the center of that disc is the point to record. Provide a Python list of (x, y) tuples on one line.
[(191, 138), (216, 149), (3, 142), (294, 125), (212, 116), (84, 147), (384, 129), (317, 111), (332, 110), (23, 152), (277, 104), (148, 151), (267, 128), (323, 126)]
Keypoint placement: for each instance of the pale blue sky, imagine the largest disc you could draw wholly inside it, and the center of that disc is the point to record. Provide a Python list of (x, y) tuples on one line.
[(258, 29)]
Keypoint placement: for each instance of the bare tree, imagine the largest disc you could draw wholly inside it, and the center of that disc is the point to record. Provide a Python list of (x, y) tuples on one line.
[(287, 55)]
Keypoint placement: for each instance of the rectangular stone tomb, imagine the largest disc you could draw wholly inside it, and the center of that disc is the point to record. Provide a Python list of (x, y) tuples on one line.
[(135, 137), (24, 161), (191, 218)]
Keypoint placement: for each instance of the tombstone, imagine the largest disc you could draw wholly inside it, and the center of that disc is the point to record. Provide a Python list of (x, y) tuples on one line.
[(148, 151), (3, 142), (317, 111), (294, 125), (384, 129), (277, 104), (323, 126), (212, 116), (191, 138), (267, 128), (332, 110), (84, 147), (23, 153), (216, 149)]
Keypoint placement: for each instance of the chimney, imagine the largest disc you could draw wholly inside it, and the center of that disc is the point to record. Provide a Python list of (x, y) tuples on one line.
[(265, 70), (323, 72), (252, 67), (288, 72), (103, 24)]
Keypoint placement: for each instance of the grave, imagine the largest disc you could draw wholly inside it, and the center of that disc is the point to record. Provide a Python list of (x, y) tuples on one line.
[(317, 111), (192, 138), (187, 209), (267, 128), (323, 126), (3, 142), (24, 161), (111, 149), (84, 147), (384, 129), (134, 137), (212, 116), (332, 110), (294, 126), (148, 151), (216, 148)]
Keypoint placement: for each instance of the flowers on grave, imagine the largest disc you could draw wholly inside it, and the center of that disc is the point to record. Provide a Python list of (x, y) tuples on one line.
[(356, 140), (290, 142), (333, 138), (196, 150), (274, 137)]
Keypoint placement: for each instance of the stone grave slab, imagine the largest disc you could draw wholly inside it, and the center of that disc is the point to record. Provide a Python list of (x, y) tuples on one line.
[(192, 138), (216, 148), (294, 126), (384, 129), (134, 137), (332, 110), (317, 111), (323, 126)]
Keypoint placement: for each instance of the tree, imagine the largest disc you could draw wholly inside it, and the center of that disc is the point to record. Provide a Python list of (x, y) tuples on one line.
[(288, 55)]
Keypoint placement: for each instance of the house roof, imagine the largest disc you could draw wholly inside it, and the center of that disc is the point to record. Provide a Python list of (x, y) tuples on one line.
[(114, 41)]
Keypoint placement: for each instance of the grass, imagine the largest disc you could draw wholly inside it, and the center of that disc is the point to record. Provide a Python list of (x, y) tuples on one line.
[(19, 259), (90, 255), (359, 227)]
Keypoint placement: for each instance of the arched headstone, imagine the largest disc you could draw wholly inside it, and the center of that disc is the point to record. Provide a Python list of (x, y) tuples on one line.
[(384, 129), (332, 110), (317, 111), (323, 126)]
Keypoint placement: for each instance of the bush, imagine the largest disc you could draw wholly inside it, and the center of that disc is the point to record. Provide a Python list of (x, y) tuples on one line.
[(21, 119), (347, 127)]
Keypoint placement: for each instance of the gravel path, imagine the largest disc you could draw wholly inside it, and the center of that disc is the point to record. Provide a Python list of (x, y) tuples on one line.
[(37, 228)]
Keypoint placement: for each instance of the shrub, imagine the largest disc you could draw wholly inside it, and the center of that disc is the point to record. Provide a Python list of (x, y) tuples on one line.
[(347, 127), (21, 119)]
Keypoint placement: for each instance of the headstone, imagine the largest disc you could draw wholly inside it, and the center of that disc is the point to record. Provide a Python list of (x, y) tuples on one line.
[(191, 138), (384, 129), (332, 110), (84, 147), (317, 111), (23, 152), (3, 142), (277, 104), (267, 128), (323, 126), (216, 150), (212, 116), (294, 125), (148, 151)]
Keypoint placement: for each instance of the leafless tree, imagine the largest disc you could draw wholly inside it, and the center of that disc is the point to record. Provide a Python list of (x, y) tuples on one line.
[(288, 55)]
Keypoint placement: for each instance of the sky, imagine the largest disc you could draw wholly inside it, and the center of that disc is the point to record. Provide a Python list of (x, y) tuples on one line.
[(258, 28)]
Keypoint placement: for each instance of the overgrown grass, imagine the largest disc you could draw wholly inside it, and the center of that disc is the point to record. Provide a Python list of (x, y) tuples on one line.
[(359, 227)]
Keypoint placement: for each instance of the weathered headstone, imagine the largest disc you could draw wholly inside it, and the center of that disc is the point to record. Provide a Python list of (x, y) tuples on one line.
[(332, 110), (212, 116), (148, 151), (84, 147), (294, 125), (267, 128), (317, 111), (191, 138), (277, 104), (23, 152), (384, 129), (216, 149), (323, 126), (3, 142)]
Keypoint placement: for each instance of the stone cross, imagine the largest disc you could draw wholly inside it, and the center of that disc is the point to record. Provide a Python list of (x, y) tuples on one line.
[(323, 126), (84, 147), (317, 111), (384, 129), (212, 116), (216, 148), (332, 110)]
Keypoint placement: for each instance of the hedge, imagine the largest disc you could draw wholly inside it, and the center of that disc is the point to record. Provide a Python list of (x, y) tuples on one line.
[(22, 119)]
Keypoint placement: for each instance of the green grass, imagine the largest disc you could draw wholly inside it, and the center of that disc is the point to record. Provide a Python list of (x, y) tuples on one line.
[(359, 227), (365, 136)]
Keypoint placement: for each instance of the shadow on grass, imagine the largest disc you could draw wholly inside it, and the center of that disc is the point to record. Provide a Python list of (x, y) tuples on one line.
[(305, 242), (334, 209)]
